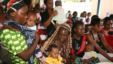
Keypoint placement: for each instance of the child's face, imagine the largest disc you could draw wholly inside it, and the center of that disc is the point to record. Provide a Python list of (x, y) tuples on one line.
[(54, 53), (108, 24), (31, 20), (80, 30), (21, 15), (97, 27)]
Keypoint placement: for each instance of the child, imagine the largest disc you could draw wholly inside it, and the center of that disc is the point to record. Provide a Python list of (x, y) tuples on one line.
[(60, 17), (78, 42), (54, 57), (31, 24), (31, 21), (90, 55)]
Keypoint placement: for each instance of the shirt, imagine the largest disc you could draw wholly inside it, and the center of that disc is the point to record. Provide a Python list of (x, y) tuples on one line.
[(15, 43), (51, 60)]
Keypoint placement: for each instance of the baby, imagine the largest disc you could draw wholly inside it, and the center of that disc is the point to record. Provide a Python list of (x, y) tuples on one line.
[(54, 56), (31, 21), (90, 55)]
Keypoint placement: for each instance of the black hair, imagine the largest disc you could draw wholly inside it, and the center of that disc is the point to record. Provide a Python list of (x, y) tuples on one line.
[(51, 47), (1, 10), (16, 6), (94, 16), (106, 19), (111, 16), (76, 24), (95, 21), (75, 13), (45, 1), (58, 3)]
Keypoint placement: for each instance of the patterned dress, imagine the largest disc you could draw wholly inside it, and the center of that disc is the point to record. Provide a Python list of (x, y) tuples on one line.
[(29, 36), (15, 43)]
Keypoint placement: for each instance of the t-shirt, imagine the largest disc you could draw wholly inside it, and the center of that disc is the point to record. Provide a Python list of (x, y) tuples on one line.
[(50, 60), (15, 43)]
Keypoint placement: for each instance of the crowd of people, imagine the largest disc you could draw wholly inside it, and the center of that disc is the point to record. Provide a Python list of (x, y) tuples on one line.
[(34, 34)]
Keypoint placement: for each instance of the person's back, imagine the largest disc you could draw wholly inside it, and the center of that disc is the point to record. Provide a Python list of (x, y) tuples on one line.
[(60, 17)]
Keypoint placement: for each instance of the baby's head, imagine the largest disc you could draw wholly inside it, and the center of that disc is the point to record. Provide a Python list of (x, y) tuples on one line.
[(31, 20), (58, 3), (89, 48), (53, 51)]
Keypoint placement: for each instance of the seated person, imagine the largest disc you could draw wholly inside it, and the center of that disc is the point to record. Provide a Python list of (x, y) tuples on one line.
[(54, 56), (108, 31)]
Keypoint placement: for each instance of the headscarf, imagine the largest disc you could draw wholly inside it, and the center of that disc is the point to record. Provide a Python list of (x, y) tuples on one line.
[(15, 6), (54, 36)]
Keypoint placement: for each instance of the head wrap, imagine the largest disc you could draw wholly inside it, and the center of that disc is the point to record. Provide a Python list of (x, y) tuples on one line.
[(53, 38), (15, 6)]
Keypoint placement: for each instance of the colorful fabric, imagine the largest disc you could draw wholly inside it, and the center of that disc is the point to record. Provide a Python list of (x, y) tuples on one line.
[(51, 60), (54, 38), (15, 43), (29, 36), (64, 47)]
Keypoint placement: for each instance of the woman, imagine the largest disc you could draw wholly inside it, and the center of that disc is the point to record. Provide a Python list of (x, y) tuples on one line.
[(108, 31), (62, 38), (47, 16), (97, 39), (12, 37)]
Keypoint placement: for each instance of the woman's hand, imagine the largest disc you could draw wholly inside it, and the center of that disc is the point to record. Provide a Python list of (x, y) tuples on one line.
[(54, 13)]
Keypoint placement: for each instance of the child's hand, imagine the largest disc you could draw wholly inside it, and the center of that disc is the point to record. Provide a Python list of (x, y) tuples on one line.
[(1, 25)]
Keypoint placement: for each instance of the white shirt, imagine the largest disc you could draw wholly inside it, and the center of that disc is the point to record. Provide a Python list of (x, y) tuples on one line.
[(61, 16)]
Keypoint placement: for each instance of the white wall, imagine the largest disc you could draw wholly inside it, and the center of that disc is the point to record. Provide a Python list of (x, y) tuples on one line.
[(106, 8)]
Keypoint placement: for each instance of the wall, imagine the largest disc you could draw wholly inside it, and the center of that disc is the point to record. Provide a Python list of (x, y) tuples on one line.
[(106, 8)]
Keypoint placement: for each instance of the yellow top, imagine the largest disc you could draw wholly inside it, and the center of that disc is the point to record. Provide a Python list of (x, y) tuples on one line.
[(50, 60)]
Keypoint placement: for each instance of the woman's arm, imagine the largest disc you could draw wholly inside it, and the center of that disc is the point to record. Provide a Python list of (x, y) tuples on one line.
[(107, 46), (47, 23), (93, 42), (26, 54)]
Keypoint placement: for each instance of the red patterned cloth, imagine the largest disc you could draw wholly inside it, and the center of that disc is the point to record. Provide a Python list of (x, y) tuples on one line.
[(108, 37)]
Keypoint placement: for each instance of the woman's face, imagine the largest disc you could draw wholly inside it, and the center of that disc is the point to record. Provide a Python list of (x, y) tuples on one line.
[(49, 4), (80, 30), (63, 34), (22, 15)]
